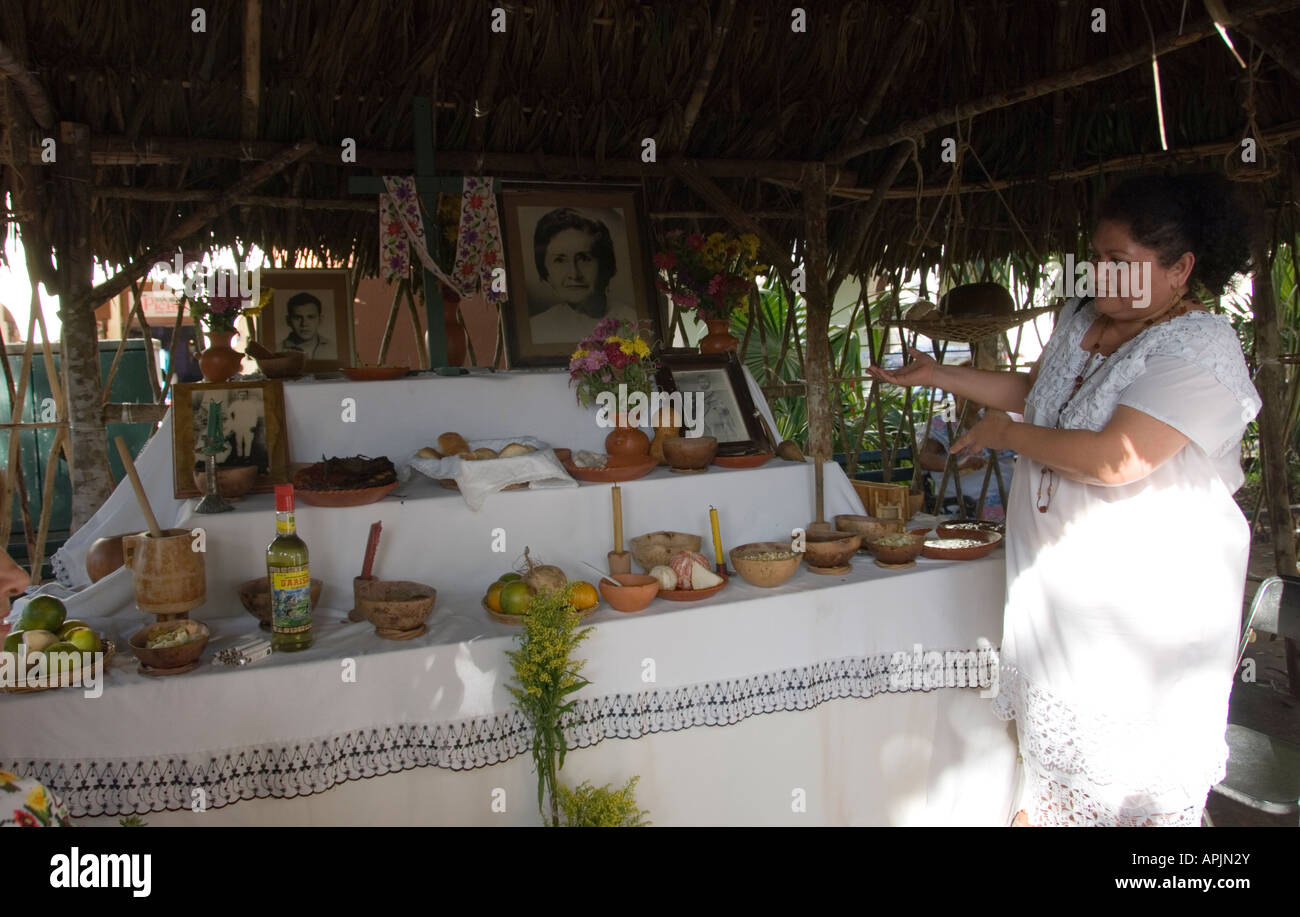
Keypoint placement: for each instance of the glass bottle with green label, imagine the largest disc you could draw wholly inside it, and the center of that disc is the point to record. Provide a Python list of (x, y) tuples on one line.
[(286, 567)]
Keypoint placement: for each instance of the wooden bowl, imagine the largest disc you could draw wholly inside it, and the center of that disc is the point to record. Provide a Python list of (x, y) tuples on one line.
[(232, 483), (869, 527), (170, 657), (336, 498), (690, 454), (898, 554), (764, 573), (104, 556), (397, 608), (255, 594), (830, 549), (635, 592), (962, 548), (654, 548), (284, 365)]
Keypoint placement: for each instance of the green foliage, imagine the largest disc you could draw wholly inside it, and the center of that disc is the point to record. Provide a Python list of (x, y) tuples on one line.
[(132, 821), (601, 807), (547, 674)]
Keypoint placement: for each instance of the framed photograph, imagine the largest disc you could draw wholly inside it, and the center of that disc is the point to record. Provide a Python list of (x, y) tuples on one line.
[(310, 311), (574, 255), (252, 419), (718, 387)]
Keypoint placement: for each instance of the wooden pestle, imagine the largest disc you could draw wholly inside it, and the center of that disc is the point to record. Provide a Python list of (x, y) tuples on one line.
[(154, 529)]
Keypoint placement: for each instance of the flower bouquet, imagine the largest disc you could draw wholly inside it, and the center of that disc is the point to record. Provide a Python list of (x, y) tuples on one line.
[(708, 274), (613, 367)]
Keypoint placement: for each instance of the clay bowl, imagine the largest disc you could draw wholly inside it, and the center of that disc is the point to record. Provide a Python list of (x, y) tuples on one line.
[(963, 547), (654, 548), (231, 482), (764, 573), (284, 365), (397, 608), (104, 556), (169, 657), (898, 554), (965, 529), (256, 596), (830, 549), (690, 454), (635, 592), (564, 455), (869, 527)]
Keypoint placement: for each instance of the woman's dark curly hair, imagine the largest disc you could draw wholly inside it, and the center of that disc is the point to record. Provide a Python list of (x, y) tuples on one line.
[(1200, 213)]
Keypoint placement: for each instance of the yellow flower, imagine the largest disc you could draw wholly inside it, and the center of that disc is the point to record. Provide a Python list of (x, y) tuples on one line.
[(36, 799), (628, 348), (578, 354), (714, 238), (642, 349), (6, 777), (613, 339)]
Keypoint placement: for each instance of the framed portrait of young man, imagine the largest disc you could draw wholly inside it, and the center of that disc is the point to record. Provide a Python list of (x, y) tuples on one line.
[(252, 421), (574, 255), (310, 311)]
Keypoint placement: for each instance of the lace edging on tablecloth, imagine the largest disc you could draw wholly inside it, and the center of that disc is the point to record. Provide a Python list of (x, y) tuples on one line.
[(98, 786)]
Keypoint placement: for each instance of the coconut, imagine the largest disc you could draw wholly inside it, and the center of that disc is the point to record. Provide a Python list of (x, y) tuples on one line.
[(543, 577)]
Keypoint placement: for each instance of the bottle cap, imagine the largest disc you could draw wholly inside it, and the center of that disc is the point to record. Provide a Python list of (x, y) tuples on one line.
[(284, 498)]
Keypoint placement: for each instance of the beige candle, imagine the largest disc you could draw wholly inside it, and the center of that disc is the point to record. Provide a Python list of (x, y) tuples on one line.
[(618, 519)]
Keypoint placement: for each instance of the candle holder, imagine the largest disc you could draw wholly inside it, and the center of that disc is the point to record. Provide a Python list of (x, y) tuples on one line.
[(213, 443)]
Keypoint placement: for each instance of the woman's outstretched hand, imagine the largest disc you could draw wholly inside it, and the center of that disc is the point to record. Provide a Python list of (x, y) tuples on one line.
[(989, 433), (923, 370)]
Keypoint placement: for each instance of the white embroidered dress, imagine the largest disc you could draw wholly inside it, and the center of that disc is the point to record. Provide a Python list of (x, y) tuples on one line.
[(1123, 606)]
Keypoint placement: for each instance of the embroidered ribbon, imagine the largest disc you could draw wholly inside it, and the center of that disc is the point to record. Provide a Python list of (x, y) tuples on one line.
[(401, 229), (478, 248)]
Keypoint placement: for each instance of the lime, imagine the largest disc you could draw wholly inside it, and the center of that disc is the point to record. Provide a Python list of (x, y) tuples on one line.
[(84, 639), (510, 578), (38, 641), (44, 612), (70, 625), (13, 641), (63, 657), (515, 598)]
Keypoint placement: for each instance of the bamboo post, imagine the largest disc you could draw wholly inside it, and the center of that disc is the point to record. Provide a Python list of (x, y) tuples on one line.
[(15, 440), (14, 476), (817, 360), (391, 325), (47, 504)]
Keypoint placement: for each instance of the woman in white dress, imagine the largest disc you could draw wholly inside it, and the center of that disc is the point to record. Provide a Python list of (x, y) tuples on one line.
[(1126, 554)]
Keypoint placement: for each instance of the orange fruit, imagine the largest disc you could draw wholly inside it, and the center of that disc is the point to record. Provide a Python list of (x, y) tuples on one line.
[(493, 597), (515, 598), (584, 596)]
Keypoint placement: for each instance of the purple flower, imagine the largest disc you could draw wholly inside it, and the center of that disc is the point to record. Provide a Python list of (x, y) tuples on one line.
[(604, 328)]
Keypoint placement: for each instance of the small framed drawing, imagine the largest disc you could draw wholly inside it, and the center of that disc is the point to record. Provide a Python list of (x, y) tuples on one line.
[(574, 255), (309, 311), (252, 418), (715, 395)]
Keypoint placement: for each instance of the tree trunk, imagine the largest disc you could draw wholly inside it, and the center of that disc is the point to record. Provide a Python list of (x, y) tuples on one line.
[(91, 482), (1272, 425), (817, 357)]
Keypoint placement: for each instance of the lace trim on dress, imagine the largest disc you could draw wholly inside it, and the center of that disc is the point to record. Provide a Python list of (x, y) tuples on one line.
[(1201, 338), (1070, 759)]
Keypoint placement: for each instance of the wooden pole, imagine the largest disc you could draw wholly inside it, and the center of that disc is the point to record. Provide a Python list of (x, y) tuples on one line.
[(15, 476), (705, 76), (33, 93), (817, 357), (1079, 76), (251, 102)]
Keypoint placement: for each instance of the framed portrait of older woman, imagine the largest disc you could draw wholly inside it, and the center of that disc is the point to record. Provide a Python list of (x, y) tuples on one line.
[(574, 255), (310, 311)]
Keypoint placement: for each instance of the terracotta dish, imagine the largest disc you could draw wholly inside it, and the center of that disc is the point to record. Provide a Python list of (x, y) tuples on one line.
[(255, 594), (743, 461), (337, 498), (967, 547), (693, 454), (765, 573), (963, 529), (653, 549), (693, 595), (612, 475), (634, 592), (374, 373), (285, 365)]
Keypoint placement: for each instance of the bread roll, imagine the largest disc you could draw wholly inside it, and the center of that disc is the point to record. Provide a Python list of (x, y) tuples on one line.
[(467, 456), (452, 444), (429, 452), (484, 454), (514, 449)]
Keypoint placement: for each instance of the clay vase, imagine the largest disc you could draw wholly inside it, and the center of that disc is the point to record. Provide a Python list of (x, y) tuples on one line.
[(719, 339), (626, 445), (662, 435), (104, 556), (220, 361), (169, 574)]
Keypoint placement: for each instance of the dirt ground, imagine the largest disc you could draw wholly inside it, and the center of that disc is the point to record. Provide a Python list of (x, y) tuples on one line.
[(1266, 705)]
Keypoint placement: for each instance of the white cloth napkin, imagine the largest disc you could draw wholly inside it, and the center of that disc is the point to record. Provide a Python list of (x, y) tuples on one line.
[(540, 469)]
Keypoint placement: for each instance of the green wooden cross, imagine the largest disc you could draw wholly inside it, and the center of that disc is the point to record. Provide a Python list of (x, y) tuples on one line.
[(428, 186)]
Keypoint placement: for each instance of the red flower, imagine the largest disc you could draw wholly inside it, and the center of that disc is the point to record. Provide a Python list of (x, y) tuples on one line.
[(476, 201), (394, 229), (489, 258), (25, 819), (665, 260)]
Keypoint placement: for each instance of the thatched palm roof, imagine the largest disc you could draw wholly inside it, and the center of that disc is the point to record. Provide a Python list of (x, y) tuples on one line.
[(584, 81)]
